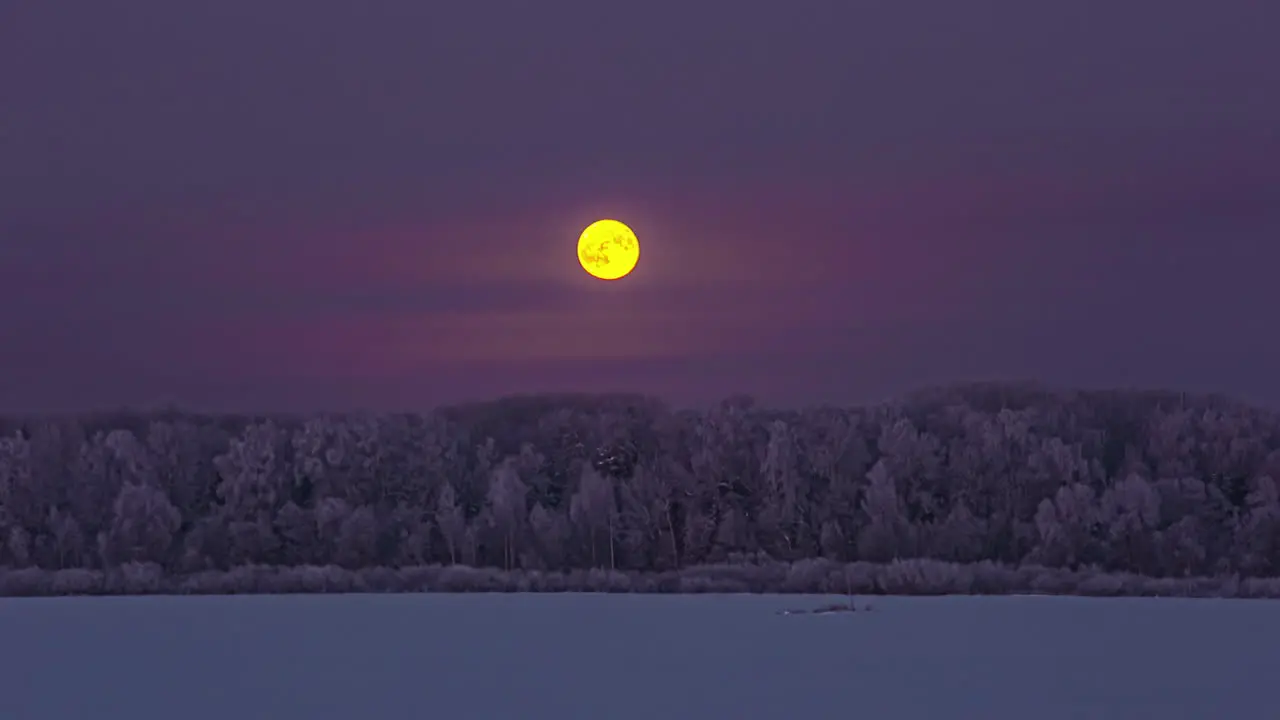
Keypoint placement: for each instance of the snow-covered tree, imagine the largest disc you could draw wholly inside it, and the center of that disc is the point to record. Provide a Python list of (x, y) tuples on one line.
[(594, 510), (143, 527), (1068, 524), (451, 521), (1154, 483), (887, 534), (15, 487), (550, 532), (1131, 512), (253, 487), (507, 508), (1259, 533)]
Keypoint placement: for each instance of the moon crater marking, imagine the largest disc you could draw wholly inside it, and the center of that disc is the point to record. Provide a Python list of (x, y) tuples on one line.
[(608, 249)]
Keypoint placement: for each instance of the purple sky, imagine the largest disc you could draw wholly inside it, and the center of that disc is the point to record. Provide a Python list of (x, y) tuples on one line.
[(289, 204)]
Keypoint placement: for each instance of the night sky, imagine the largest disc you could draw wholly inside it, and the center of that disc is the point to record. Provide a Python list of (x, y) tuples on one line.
[(289, 204)]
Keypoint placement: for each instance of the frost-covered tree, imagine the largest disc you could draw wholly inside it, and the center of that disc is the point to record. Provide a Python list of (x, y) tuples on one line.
[(108, 461), (1154, 483), (550, 532), (1131, 512), (253, 487), (15, 500), (507, 508), (958, 537), (357, 544), (66, 546), (144, 524), (41, 502), (1068, 525), (297, 529), (647, 508), (594, 511), (405, 532), (1259, 533), (451, 521), (783, 522), (180, 467), (886, 535), (330, 514)]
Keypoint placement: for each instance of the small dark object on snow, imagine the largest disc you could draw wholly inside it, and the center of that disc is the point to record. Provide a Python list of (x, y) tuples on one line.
[(828, 609)]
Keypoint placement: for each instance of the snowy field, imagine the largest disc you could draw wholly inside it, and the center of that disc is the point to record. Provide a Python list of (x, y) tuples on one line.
[(634, 657)]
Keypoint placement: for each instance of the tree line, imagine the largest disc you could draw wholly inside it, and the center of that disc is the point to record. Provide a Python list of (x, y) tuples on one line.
[(1158, 484)]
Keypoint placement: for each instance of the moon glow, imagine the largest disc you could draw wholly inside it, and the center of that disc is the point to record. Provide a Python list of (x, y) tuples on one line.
[(608, 249)]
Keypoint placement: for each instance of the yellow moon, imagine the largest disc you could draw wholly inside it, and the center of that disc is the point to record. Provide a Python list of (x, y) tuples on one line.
[(608, 249)]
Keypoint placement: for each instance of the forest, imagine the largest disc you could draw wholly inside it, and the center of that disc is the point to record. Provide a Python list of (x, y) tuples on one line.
[(968, 488)]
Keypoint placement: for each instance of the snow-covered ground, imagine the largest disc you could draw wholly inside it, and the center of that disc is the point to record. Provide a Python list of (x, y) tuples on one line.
[(633, 657)]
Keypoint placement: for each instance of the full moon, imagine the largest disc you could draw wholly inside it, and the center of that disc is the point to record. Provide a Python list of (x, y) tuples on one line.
[(608, 249)]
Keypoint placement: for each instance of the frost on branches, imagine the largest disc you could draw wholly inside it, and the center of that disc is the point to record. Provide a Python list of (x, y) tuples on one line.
[(1156, 485)]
